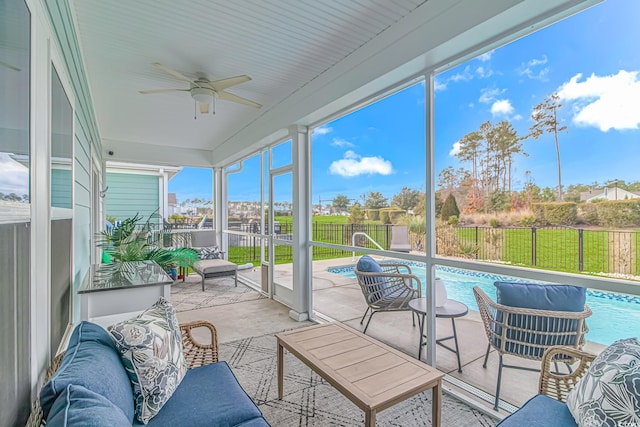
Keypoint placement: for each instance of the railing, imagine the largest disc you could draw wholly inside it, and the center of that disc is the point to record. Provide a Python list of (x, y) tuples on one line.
[(244, 248), (365, 235), (552, 248)]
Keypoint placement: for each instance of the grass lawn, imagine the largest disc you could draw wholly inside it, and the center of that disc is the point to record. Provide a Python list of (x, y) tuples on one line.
[(554, 249), (558, 248)]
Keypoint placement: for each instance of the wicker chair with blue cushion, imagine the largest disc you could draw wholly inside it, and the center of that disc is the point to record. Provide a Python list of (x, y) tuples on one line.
[(528, 318), (386, 286), (548, 408)]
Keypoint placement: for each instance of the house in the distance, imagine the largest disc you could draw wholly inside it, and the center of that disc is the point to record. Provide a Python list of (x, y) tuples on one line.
[(139, 189), (608, 193)]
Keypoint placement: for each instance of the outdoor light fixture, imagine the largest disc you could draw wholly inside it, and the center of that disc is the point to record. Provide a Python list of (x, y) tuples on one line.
[(204, 97)]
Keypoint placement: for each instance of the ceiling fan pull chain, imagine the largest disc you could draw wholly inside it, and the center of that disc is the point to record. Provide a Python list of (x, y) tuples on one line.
[(195, 110)]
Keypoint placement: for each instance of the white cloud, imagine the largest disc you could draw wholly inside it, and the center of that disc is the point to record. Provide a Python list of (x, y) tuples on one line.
[(464, 76), (322, 130), (342, 143), (483, 72), (605, 102), (352, 164), (488, 95), (486, 56), (455, 149), (14, 177), (534, 70), (501, 107), (439, 85), (516, 117)]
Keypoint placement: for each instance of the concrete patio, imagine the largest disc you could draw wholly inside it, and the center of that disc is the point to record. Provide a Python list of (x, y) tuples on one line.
[(339, 298)]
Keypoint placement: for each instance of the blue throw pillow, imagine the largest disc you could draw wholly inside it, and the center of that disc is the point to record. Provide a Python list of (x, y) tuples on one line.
[(380, 286), (368, 265), (541, 297), (77, 406), (92, 361)]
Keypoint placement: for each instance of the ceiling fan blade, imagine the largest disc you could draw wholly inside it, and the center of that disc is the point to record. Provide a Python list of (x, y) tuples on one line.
[(235, 98), (226, 83), (204, 108), (175, 73), (147, 92), (9, 66)]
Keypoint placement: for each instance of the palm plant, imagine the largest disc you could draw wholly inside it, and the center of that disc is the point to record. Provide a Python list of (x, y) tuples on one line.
[(133, 241)]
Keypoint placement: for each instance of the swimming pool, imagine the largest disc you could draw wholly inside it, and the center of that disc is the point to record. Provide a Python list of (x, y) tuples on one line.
[(615, 316)]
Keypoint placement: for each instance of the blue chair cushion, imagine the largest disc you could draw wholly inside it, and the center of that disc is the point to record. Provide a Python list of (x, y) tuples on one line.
[(77, 406), (540, 411), (367, 264), (92, 361), (541, 297), (209, 396)]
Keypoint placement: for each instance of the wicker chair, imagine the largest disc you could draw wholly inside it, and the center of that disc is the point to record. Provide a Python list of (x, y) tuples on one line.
[(528, 333), (389, 290), (195, 354), (549, 406)]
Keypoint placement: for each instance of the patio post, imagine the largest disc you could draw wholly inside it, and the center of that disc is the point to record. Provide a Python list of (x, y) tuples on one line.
[(301, 302)]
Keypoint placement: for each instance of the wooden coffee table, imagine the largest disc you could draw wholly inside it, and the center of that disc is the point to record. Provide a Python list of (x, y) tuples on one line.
[(371, 374)]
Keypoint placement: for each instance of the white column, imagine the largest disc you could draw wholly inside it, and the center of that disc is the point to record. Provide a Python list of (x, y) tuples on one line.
[(301, 302), (40, 200), (430, 244), (220, 213), (164, 194)]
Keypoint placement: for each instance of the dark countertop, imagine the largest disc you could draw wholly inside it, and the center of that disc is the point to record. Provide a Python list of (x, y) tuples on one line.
[(105, 277)]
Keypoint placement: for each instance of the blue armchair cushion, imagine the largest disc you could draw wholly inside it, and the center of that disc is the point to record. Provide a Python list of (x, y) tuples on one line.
[(541, 297), (540, 411), (367, 264), (227, 404), (91, 353), (77, 406)]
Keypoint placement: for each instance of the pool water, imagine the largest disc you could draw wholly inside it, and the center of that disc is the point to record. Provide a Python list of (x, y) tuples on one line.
[(615, 316)]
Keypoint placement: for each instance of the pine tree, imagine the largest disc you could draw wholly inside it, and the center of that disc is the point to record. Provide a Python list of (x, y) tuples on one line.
[(450, 208)]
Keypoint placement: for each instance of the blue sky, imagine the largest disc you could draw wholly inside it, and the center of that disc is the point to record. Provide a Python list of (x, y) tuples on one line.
[(591, 59)]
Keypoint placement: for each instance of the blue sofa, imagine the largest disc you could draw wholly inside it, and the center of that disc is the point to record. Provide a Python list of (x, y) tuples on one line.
[(91, 388)]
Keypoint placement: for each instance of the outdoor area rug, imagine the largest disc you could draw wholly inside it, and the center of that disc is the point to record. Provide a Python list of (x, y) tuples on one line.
[(221, 291), (311, 401)]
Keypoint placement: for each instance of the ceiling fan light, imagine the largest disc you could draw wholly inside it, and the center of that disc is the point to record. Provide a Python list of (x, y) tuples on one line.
[(202, 95)]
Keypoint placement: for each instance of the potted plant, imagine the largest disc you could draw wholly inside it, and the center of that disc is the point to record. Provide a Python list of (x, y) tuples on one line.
[(133, 240)]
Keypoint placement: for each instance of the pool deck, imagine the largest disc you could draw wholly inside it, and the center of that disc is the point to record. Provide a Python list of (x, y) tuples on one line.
[(339, 298)]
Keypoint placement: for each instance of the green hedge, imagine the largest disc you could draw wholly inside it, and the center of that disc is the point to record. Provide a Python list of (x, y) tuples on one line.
[(555, 213), (618, 213), (373, 214), (391, 215), (588, 213)]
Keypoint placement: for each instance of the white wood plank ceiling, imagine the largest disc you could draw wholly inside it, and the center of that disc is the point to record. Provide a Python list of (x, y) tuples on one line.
[(281, 44), (290, 48)]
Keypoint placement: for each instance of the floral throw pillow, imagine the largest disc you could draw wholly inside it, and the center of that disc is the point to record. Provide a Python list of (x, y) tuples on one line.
[(211, 252), (151, 351), (609, 393)]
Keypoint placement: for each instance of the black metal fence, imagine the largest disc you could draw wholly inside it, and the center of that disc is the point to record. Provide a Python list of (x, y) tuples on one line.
[(244, 249), (553, 248)]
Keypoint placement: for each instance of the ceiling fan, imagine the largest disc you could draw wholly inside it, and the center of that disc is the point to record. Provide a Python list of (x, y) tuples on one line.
[(205, 91)]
